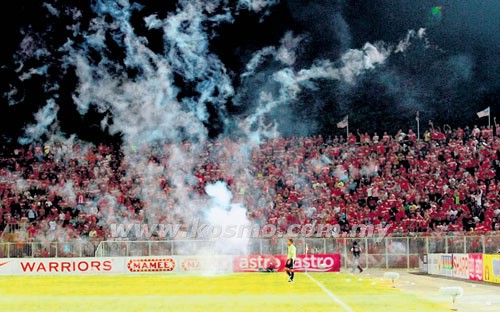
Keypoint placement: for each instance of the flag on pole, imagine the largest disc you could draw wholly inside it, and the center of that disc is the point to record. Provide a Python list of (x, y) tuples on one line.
[(343, 123), (484, 113)]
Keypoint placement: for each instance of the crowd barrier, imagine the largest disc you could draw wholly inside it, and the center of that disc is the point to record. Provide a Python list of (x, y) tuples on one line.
[(476, 267), (166, 264), (377, 252)]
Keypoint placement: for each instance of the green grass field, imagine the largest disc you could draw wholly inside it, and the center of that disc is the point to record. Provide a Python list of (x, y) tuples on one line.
[(235, 292)]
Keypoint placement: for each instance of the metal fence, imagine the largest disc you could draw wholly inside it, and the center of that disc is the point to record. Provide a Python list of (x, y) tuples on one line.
[(388, 252), (48, 249)]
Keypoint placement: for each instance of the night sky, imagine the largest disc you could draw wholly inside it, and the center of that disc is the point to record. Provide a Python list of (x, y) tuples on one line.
[(176, 70)]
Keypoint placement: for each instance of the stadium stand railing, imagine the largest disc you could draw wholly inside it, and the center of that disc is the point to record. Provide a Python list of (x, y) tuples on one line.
[(387, 252), (23, 249)]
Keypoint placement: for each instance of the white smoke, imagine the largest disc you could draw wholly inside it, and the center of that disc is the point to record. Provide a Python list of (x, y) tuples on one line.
[(41, 71), (286, 53), (51, 9), (66, 191), (352, 63), (223, 213), (258, 6), (140, 100), (44, 118)]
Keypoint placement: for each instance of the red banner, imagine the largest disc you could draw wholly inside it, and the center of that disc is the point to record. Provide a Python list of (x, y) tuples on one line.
[(311, 263), (476, 267)]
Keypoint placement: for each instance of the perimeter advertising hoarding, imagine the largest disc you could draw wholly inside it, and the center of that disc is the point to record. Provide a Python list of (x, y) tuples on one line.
[(440, 264), (476, 267), (460, 266), (176, 264), (433, 263), (129, 265), (60, 266), (491, 268), (466, 266), (310, 263)]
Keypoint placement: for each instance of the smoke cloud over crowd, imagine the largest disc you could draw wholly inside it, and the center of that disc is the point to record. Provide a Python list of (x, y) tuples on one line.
[(174, 75), (190, 69)]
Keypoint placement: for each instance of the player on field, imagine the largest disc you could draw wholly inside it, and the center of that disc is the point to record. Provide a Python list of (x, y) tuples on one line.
[(356, 253), (290, 259)]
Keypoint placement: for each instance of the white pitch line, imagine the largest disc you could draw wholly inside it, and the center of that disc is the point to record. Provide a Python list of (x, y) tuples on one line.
[(331, 295)]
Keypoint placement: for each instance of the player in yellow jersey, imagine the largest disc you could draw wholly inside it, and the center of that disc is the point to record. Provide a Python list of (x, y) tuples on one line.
[(290, 259)]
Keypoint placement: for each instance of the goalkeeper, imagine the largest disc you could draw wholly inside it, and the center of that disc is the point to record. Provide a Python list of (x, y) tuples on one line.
[(290, 259)]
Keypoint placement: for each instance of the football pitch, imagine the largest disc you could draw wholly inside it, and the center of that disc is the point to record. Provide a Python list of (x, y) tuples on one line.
[(240, 292), (234, 292)]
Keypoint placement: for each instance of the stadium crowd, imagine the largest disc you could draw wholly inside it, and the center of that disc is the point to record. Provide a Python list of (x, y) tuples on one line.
[(449, 181)]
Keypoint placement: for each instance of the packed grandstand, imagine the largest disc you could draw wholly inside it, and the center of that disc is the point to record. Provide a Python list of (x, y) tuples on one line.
[(448, 181)]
